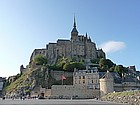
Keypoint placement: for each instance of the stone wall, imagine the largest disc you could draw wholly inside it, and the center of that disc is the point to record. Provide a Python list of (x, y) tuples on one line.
[(38, 51), (130, 86), (71, 91), (38, 90), (47, 93), (126, 86), (57, 74), (1, 85), (118, 87)]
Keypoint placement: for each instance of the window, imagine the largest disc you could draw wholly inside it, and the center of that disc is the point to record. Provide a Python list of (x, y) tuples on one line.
[(96, 81), (83, 77), (83, 81)]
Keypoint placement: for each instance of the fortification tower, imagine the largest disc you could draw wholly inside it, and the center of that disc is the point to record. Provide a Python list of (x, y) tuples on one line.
[(106, 84)]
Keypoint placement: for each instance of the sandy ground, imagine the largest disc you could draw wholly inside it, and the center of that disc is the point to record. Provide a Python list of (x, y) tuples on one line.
[(55, 102)]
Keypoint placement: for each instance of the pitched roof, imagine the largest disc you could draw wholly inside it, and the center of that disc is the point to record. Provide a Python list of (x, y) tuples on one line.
[(107, 76)]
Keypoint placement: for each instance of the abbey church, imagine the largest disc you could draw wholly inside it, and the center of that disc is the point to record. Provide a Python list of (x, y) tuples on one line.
[(78, 47)]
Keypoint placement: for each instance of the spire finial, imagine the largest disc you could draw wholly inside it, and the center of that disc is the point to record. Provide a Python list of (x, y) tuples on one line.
[(74, 22)]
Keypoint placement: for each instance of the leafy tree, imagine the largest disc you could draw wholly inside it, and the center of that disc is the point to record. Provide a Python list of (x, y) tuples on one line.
[(111, 69), (106, 64), (74, 59), (70, 66), (120, 69), (40, 60), (95, 61), (55, 67), (62, 61), (109, 63), (102, 62)]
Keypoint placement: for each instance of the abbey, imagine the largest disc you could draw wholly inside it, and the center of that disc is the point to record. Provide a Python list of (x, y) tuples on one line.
[(78, 47)]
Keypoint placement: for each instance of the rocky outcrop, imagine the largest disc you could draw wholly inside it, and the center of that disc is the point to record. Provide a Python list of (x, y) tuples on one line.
[(131, 98), (32, 79)]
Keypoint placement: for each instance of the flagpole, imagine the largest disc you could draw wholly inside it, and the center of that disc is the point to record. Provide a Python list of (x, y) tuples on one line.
[(62, 81), (63, 78)]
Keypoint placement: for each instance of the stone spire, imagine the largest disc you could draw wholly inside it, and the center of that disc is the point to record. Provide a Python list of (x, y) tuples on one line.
[(74, 26), (74, 23), (74, 32)]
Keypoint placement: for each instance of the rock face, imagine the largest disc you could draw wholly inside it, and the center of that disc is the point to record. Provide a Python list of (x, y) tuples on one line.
[(33, 78), (131, 98)]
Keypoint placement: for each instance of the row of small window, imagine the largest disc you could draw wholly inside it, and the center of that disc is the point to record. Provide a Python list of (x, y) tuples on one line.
[(81, 77), (42, 52), (89, 82), (89, 77), (80, 82)]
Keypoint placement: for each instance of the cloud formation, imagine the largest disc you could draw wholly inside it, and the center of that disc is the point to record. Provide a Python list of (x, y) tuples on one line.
[(112, 46)]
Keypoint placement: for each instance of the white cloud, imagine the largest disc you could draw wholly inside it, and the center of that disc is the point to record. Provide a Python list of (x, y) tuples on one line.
[(112, 46)]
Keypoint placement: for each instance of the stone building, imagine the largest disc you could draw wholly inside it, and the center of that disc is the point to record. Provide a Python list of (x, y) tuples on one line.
[(93, 84), (106, 83), (89, 78), (2, 81), (78, 47), (85, 85)]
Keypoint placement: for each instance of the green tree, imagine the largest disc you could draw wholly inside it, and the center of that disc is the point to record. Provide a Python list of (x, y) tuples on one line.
[(109, 63), (62, 61), (106, 64), (40, 60), (95, 61), (120, 69), (70, 66), (111, 69), (102, 62)]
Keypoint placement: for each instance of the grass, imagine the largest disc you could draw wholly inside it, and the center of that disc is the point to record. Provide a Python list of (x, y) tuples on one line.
[(125, 93), (16, 83), (37, 74)]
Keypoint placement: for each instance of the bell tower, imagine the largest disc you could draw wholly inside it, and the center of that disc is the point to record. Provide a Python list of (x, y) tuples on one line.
[(74, 32)]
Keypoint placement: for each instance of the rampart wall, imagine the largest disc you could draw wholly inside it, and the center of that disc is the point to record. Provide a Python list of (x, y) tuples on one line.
[(71, 91)]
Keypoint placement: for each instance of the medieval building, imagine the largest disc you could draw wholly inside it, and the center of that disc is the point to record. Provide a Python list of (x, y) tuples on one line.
[(2, 81), (90, 83), (78, 47)]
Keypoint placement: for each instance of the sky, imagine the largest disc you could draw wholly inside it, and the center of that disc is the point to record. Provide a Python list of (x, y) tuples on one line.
[(25, 25)]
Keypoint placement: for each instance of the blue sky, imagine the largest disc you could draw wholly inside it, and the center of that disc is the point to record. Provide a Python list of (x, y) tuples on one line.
[(29, 24)]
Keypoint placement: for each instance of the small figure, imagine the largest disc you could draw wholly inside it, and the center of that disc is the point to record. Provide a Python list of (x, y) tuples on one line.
[(3, 97)]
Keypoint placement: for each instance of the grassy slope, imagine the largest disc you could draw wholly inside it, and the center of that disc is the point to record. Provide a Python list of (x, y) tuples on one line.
[(128, 97), (22, 81)]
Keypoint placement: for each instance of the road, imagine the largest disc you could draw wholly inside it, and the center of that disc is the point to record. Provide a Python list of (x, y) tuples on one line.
[(55, 102)]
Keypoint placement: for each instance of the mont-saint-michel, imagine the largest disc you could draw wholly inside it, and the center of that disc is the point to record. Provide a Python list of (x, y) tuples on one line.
[(73, 69)]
